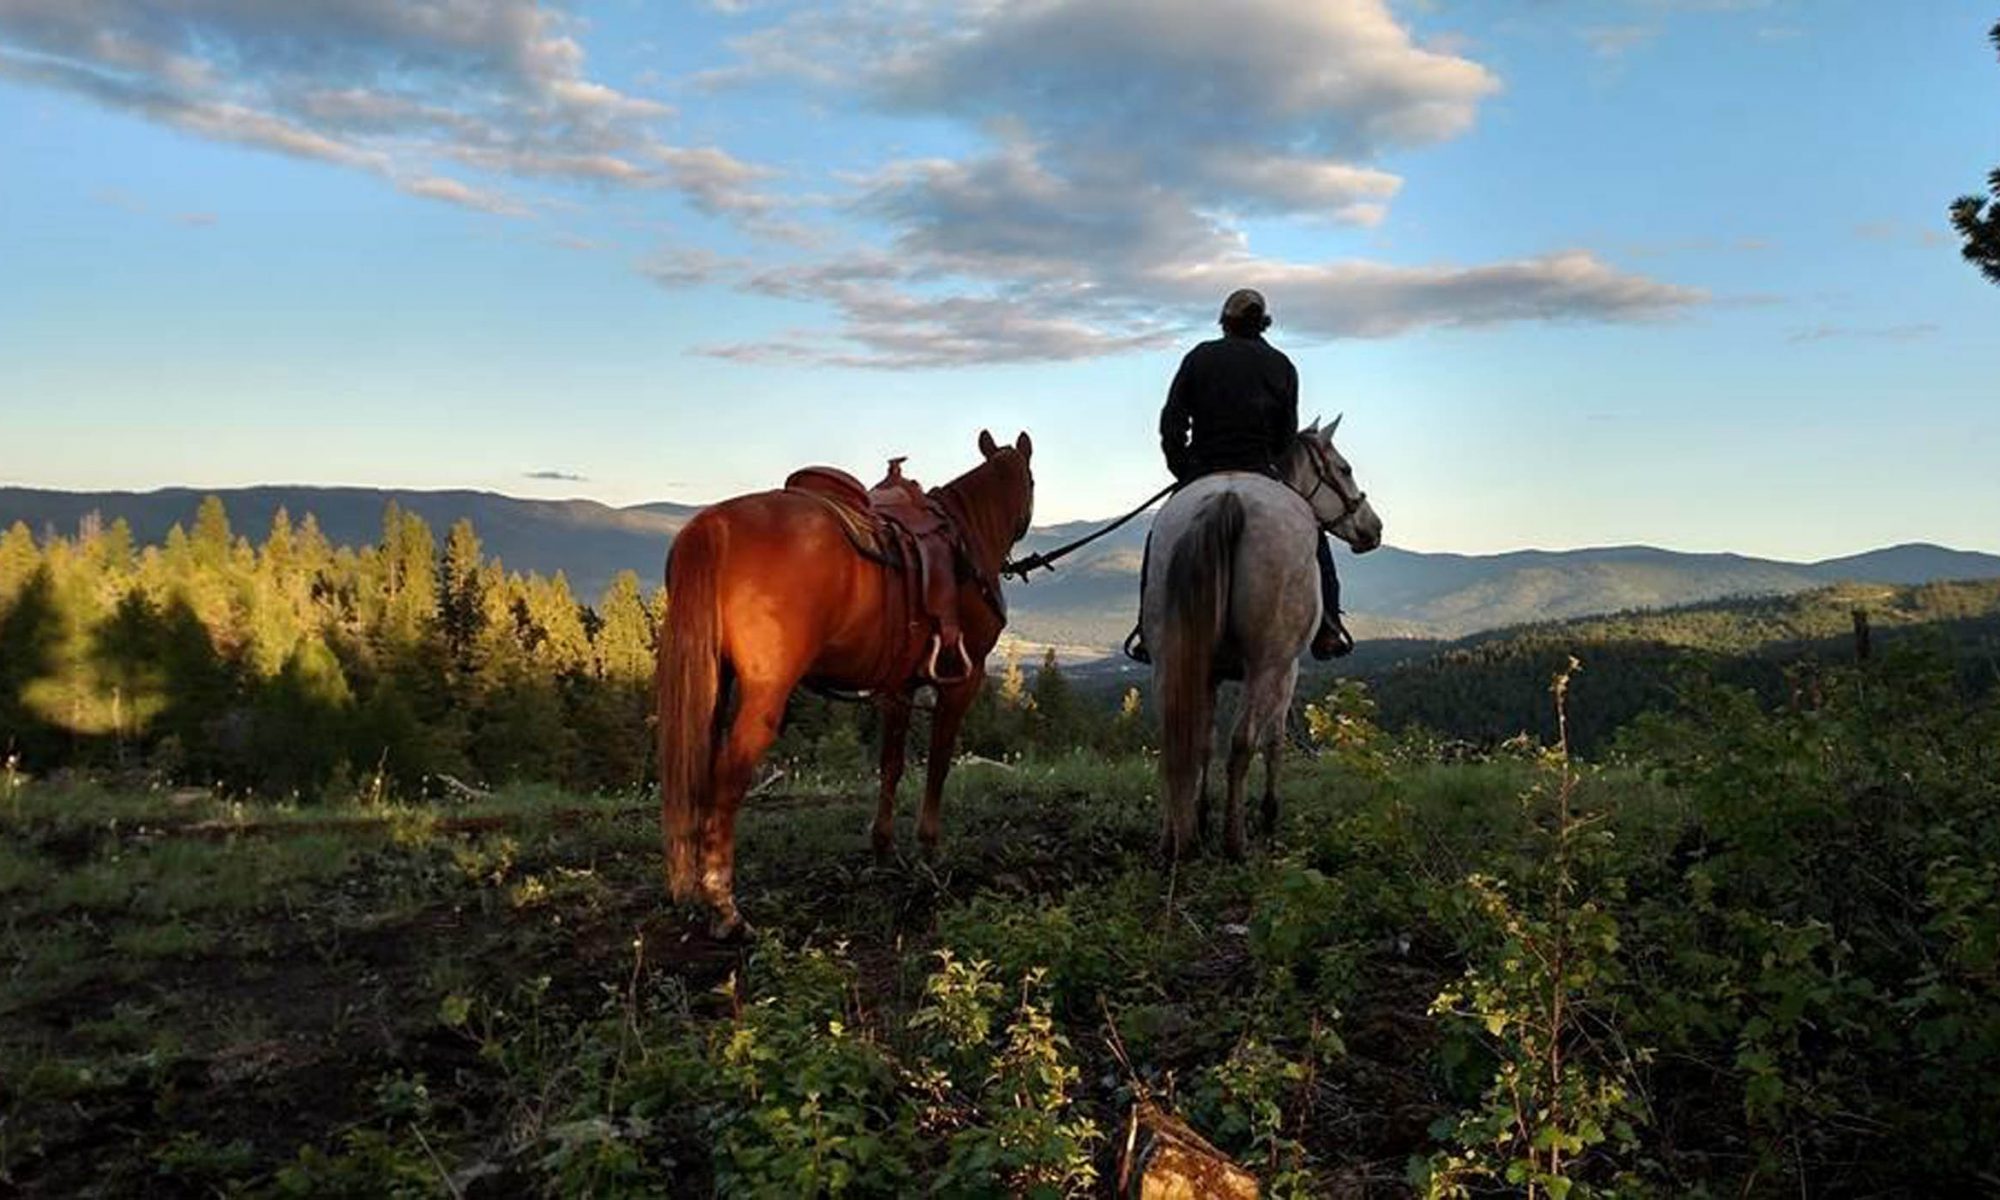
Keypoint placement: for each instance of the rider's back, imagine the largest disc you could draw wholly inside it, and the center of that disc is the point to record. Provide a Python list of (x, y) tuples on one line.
[(1233, 406)]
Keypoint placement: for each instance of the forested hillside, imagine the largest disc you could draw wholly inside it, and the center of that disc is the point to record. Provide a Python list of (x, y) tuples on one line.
[(288, 663), (1085, 606), (1492, 686)]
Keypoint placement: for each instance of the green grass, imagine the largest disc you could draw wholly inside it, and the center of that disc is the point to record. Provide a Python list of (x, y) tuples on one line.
[(388, 1004), (253, 961)]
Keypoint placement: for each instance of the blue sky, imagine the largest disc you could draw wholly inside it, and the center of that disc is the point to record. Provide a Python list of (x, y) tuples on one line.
[(1662, 271)]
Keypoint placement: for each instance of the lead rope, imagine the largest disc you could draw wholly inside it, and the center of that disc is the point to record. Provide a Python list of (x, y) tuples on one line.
[(1045, 560)]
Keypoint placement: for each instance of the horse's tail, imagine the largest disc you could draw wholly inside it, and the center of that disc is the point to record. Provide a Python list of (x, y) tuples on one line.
[(687, 680), (1199, 578)]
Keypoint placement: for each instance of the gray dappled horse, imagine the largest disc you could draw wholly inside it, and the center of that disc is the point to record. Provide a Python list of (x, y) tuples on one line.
[(1240, 599)]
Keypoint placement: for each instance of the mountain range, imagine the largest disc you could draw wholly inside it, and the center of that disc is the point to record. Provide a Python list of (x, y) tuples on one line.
[(1085, 606)]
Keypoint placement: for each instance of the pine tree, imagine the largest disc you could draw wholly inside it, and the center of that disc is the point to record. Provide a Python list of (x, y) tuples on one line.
[(1128, 729), (310, 547), (1977, 218), (413, 567), (116, 550), (211, 540), (623, 643), (1013, 684), (277, 554), (462, 595), (18, 559), (1056, 716), (564, 646)]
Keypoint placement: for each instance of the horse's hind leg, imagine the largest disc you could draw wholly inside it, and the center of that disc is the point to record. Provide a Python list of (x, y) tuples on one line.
[(895, 739), (1242, 748), (754, 726), (1185, 773), (1202, 824), (1274, 749)]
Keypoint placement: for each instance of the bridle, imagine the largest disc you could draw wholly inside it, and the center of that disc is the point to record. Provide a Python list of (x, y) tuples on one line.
[(1324, 476)]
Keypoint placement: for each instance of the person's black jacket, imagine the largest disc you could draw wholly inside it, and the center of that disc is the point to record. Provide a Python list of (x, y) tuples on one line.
[(1234, 406)]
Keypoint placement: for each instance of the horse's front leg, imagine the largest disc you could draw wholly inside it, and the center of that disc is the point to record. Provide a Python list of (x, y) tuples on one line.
[(953, 700), (1274, 746), (895, 708)]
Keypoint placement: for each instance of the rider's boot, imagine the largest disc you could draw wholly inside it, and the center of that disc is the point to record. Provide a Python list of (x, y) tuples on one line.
[(1332, 640), (1135, 642)]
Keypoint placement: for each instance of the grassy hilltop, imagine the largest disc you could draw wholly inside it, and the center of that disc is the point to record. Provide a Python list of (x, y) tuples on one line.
[(1756, 957)]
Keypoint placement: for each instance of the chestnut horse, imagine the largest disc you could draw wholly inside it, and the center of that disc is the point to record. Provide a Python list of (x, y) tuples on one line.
[(766, 591)]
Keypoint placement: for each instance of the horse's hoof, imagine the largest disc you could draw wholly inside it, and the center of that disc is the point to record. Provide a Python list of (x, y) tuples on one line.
[(884, 846), (731, 928)]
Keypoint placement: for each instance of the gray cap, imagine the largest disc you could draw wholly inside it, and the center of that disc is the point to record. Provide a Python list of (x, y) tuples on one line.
[(1243, 302)]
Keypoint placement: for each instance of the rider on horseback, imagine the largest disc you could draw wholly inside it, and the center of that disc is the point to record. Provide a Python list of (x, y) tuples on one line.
[(1234, 406)]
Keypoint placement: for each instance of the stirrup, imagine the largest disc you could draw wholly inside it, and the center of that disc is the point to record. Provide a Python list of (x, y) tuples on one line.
[(935, 653), (1343, 641), (1135, 648)]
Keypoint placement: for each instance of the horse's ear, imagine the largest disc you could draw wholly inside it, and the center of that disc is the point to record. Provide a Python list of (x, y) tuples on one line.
[(1312, 429), (1025, 444), (987, 446), (1336, 425)]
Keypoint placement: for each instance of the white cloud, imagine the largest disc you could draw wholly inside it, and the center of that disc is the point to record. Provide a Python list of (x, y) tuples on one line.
[(684, 267), (392, 87), (1127, 143), (438, 187), (1267, 103), (1874, 333), (894, 328), (1613, 41)]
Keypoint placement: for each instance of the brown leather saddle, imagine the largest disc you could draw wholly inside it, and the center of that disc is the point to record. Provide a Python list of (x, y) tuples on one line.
[(898, 524)]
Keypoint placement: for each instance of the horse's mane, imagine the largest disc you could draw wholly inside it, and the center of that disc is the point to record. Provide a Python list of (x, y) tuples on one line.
[(990, 500)]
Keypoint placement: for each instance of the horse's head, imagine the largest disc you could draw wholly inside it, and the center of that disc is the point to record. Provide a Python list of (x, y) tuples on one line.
[(1015, 490), (1323, 476), (994, 501)]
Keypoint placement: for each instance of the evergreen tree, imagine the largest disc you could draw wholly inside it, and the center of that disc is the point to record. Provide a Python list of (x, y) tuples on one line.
[(462, 590), (277, 555), (211, 541), (18, 559), (303, 722), (1128, 729), (1977, 218), (1013, 684), (310, 548), (623, 643), (116, 549), (410, 562), (1055, 716)]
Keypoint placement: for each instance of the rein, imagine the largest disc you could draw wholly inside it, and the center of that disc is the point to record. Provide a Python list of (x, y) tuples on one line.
[(1045, 560), (1322, 477)]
